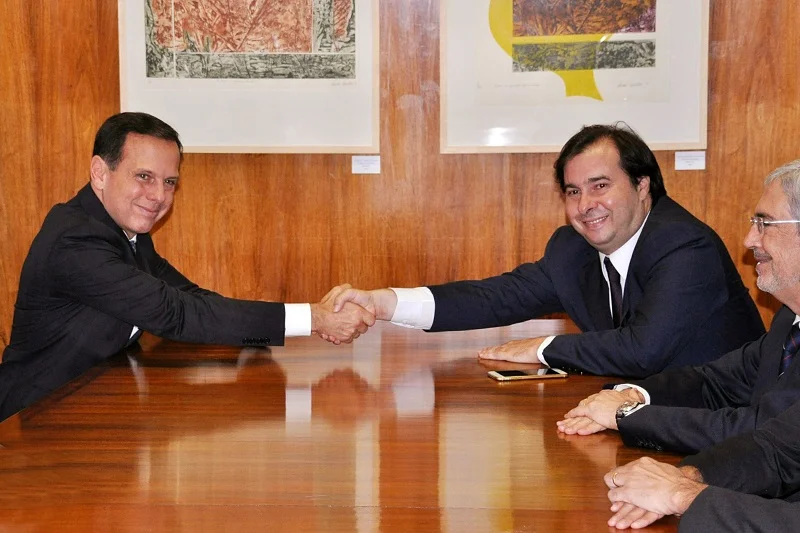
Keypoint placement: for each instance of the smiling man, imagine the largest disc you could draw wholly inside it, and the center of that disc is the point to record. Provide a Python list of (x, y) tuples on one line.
[(693, 408), (93, 280), (741, 413), (648, 284)]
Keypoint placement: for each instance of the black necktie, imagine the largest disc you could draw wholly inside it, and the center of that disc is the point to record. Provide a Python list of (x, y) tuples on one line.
[(790, 347), (132, 243), (616, 292)]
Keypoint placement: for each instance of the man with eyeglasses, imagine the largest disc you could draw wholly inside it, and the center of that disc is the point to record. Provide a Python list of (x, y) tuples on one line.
[(751, 394)]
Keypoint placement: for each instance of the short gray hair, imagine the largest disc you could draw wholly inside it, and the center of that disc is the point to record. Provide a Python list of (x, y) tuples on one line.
[(789, 177)]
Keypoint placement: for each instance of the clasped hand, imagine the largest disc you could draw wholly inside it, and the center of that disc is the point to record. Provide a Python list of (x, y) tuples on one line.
[(645, 490), (343, 324), (597, 412)]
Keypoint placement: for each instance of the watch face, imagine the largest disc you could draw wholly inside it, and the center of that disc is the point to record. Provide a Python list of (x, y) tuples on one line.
[(626, 408)]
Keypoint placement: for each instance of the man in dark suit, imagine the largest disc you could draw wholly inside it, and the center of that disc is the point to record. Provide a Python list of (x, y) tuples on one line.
[(750, 482), (643, 279), (93, 281), (693, 408)]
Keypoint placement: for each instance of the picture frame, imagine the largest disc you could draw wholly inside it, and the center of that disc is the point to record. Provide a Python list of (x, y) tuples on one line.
[(284, 79), (525, 75)]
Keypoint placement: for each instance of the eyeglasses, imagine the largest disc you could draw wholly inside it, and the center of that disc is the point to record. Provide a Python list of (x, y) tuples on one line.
[(760, 223)]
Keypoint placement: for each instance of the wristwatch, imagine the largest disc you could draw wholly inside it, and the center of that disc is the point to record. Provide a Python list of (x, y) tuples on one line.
[(626, 408)]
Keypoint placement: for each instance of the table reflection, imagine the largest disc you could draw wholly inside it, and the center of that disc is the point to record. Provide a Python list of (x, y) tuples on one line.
[(400, 432)]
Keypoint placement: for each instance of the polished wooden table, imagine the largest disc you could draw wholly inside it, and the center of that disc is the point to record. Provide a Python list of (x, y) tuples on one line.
[(399, 431)]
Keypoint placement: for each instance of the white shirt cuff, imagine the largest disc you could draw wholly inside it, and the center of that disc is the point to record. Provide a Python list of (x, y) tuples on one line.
[(623, 386), (540, 352), (415, 308), (298, 320)]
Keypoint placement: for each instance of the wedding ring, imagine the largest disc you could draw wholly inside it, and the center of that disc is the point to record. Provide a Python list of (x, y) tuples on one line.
[(614, 479)]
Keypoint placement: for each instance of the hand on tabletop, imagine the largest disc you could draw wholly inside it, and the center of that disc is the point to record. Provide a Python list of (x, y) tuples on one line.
[(597, 412), (517, 351), (644, 490)]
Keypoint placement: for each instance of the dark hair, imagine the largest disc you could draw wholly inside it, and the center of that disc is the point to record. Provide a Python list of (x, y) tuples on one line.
[(111, 136), (635, 158)]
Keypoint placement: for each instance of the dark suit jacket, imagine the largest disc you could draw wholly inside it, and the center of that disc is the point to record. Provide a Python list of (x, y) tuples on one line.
[(684, 302), (764, 462), (82, 289), (696, 407), (722, 510)]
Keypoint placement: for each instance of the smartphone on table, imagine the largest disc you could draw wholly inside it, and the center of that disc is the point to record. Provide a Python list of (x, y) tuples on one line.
[(515, 375)]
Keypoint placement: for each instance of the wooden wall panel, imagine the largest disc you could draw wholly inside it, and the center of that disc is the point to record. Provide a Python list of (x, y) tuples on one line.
[(288, 227)]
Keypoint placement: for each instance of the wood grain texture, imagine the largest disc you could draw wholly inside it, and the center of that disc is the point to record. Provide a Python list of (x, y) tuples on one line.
[(289, 227), (310, 437)]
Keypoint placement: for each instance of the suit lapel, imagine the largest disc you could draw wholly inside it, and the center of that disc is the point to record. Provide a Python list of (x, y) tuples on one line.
[(141, 251), (631, 291), (92, 205), (781, 326), (595, 292)]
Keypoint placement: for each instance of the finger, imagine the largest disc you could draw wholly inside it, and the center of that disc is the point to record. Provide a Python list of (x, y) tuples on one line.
[(569, 426), (336, 292), (347, 295), (367, 318), (579, 411), (499, 353), (624, 516), (588, 427), (333, 292), (488, 352), (645, 520), (567, 429)]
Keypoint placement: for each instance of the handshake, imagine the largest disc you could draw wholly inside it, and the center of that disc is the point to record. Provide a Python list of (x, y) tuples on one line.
[(345, 313)]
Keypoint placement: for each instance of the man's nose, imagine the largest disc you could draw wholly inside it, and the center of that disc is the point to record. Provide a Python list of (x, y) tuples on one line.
[(753, 237), (157, 191), (585, 203)]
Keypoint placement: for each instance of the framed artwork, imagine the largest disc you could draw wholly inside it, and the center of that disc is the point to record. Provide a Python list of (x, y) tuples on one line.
[(292, 76), (525, 75)]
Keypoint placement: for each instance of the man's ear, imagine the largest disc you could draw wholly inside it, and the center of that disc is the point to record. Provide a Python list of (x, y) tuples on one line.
[(643, 187), (98, 172)]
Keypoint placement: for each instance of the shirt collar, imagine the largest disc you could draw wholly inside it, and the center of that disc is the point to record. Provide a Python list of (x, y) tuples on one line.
[(621, 257)]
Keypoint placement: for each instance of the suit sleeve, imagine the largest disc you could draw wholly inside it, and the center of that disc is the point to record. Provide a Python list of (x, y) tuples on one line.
[(683, 287), (765, 462), (163, 270), (694, 408), (724, 382), (522, 294), (88, 267), (722, 510)]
